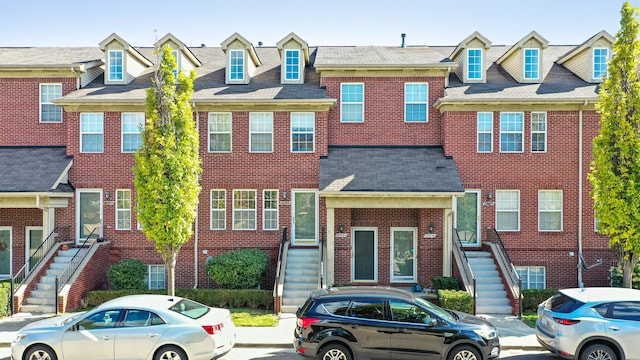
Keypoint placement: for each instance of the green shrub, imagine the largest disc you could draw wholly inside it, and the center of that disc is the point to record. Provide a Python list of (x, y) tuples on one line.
[(238, 269), (5, 298), (531, 298), (128, 274), (616, 276), (456, 300), (445, 283)]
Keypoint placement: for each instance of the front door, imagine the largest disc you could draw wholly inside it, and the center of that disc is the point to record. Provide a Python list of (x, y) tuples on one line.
[(364, 255), (305, 218), (34, 239), (5, 252), (403, 248), (89, 214), (468, 218)]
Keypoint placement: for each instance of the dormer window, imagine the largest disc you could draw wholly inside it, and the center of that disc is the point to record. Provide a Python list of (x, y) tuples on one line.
[(474, 64), (600, 57), (236, 64), (292, 64), (294, 56), (115, 65), (176, 55), (531, 64)]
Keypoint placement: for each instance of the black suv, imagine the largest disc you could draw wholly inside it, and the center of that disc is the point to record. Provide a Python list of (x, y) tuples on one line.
[(346, 323)]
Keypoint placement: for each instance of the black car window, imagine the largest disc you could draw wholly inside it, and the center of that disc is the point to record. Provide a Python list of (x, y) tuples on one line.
[(340, 307), (408, 313), (562, 303), (367, 309), (601, 309), (100, 320), (141, 318), (625, 310)]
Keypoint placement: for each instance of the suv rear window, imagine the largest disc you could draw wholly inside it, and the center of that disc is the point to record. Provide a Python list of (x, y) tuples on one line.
[(562, 303), (336, 307)]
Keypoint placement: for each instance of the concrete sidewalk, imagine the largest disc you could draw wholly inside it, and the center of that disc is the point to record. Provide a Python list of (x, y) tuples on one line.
[(514, 334)]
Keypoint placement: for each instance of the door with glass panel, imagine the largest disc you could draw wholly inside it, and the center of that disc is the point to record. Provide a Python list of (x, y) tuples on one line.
[(403, 254), (305, 218), (5, 252), (89, 209), (34, 239), (467, 218), (364, 255)]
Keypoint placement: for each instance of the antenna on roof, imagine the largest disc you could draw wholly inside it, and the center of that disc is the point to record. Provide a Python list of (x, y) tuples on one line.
[(403, 36)]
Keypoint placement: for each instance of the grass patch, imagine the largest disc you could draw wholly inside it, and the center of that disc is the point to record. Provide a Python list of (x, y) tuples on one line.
[(529, 318), (253, 317)]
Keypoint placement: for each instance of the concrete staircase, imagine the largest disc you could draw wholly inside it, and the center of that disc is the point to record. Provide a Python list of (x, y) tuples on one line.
[(43, 298), (300, 277), (491, 296)]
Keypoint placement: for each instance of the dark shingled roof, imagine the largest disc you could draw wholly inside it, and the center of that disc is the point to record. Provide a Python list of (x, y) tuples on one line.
[(389, 169), (33, 168)]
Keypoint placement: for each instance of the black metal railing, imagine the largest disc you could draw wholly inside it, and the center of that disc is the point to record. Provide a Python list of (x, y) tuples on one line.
[(283, 245), (323, 246), (466, 272), (504, 259)]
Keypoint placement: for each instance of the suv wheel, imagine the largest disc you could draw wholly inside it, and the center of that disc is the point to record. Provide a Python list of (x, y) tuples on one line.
[(334, 352), (465, 352), (598, 352)]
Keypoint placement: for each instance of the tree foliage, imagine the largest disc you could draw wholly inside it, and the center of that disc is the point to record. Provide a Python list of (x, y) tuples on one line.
[(615, 170), (168, 164)]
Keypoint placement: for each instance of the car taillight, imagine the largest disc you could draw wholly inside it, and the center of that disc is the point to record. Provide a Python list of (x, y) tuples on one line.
[(562, 321), (306, 322), (213, 329)]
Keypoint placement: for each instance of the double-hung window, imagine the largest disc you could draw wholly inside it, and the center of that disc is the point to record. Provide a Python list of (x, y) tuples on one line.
[(115, 65), (508, 210), (351, 102), (531, 63), (132, 125), (218, 209), (474, 64), (511, 131), (49, 112), (156, 276), (261, 135), (416, 96), (220, 132), (302, 132), (123, 209), (600, 67), (270, 209), (533, 277), (538, 132), (236, 65), (550, 210), (244, 209), (91, 132), (292, 64), (485, 132)]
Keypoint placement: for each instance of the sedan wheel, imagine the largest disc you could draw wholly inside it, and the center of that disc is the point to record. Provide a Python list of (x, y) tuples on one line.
[(170, 353), (464, 353), (41, 352), (334, 352), (598, 352)]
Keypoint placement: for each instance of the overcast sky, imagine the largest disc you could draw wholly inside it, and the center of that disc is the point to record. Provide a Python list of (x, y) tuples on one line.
[(319, 22)]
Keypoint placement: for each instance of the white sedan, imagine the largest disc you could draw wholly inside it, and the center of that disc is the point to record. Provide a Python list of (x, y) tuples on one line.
[(145, 327)]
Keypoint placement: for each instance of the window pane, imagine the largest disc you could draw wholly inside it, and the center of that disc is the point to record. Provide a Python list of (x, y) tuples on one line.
[(132, 126), (531, 64), (302, 132), (415, 99), (244, 209), (218, 210), (123, 209), (474, 64), (116, 65), (352, 102), (538, 132), (236, 65), (600, 57), (550, 210), (220, 132), (507, 210), (292, 64), (511, 132), (485, 132), (48, 111), (270, 210)]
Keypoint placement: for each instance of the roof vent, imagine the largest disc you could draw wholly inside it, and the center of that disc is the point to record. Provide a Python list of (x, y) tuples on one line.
[(203, 45), (403, 36), (259, 43)]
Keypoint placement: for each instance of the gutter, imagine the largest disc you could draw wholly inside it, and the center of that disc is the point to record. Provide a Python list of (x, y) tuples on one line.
[(580, 198)]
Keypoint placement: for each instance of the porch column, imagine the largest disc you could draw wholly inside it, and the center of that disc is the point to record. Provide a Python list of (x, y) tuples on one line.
[(330, 246), (48, 221), (447, 242)]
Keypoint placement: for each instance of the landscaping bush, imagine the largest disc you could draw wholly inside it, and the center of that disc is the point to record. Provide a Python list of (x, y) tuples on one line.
[(456, 300), (5, 298), (616, 276), (238, 269), (445, 283), (531, 298), (128, 274)]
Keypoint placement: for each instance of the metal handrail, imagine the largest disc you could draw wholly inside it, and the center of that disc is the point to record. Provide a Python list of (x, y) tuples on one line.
[(283, 245), (502, 255), (75, 262), (467, 274), (321, 273)]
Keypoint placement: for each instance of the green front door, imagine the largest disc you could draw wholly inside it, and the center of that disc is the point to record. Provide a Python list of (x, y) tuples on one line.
[(468, 218)]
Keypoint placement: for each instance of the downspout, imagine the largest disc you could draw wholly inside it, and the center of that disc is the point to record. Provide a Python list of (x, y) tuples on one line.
[(195, 233), (580, 160)]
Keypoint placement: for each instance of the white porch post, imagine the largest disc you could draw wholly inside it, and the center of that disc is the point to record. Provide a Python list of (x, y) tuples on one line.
[(48, 221), (447, 242), (330, 245)]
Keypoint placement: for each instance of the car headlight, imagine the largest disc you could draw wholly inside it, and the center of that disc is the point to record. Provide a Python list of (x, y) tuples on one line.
[(487, 333)]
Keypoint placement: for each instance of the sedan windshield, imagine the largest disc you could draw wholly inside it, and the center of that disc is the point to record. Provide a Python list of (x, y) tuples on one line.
[(190, 309), (438, 311)]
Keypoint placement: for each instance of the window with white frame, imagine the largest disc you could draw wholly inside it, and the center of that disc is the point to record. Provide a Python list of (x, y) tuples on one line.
[(303, 132), (91, 132), (351, 102), (511, 131), (508, 210), (485, 132), (474, 64), (218, 209), (292, 64), (600, 58), (416, 96), (533, 277), (132, 125), (156, 277), (123, 209), (220, 126), (596, 222), (531, 63), (115, 65), (270, 209), (244, 209), (176, 71), (261, 135), (550, 210), (236, 64), (49, 112), (538, 132)]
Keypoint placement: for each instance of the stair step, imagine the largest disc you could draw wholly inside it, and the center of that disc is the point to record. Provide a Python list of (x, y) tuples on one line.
[(38, 309), (489, 286)]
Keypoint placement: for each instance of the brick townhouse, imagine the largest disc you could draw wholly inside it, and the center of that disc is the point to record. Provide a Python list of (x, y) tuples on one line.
[(385, 165)]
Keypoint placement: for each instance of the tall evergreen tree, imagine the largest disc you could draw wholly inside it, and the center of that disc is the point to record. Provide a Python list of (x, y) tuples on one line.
[(168, 164), (615, 170)]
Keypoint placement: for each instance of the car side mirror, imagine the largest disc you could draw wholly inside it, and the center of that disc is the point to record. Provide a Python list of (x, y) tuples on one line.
[(432, 322)]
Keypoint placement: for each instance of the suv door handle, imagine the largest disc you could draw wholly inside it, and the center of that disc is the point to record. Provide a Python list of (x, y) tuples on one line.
[(614, 328)]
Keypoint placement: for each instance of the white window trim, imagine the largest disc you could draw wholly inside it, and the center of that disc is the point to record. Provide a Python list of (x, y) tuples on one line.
[(123, 133), (524, 64), (313, 133), (92, 133), (12, 252), (210, 132), (519, 210), (284, 68), (251, 132), (176, 54), (108, 67), (49, 103), (481, 65), (351, 103), (244, 65), (426, 103), (561, 211), (478, 132), (593, 63), (265, 210), (212, 210), (164, 271), (121, 211), (79, 239), (255, 210), (521, 132), (404, 279), (546, 126)]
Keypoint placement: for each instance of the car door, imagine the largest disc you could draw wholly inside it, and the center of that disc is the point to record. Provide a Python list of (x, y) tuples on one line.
[(367, 323), (91, 337), (414, 336), (140, 332), (623, 326)]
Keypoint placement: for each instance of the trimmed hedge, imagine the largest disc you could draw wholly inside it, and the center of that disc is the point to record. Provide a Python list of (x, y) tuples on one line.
[(128, 274), (238, 269), (5, 298), (531, 298), (456, 300), (445, 283)]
